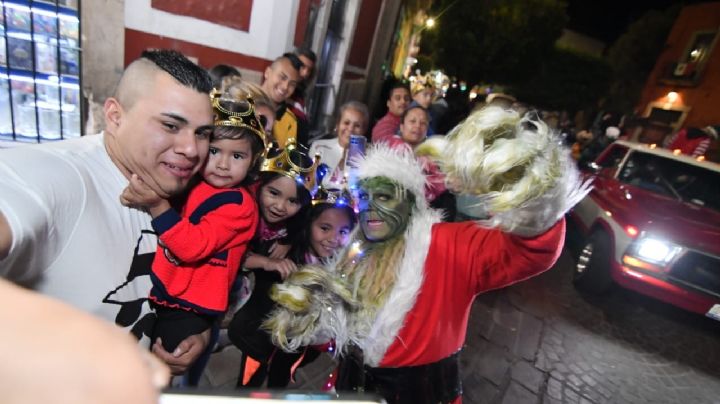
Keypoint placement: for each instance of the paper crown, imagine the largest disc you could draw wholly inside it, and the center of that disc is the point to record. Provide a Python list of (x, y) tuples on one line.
[(293, 162), (237, 113), (332, 196)]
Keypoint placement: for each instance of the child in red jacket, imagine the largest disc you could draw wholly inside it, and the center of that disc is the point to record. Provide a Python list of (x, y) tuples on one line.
[(201, 247)]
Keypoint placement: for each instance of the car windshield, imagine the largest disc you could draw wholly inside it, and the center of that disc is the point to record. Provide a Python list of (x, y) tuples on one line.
[(673, 178)]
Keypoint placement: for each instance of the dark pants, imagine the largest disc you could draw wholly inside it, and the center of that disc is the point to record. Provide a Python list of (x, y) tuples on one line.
[(174, 325), (437, 382)]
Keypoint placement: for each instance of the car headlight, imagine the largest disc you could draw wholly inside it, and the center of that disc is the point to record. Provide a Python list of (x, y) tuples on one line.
[(654, 250)]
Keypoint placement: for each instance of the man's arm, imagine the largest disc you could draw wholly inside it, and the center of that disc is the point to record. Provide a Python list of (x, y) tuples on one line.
[(5, 237)]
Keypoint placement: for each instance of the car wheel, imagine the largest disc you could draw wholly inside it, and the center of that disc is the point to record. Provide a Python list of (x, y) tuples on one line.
[(592, 271)]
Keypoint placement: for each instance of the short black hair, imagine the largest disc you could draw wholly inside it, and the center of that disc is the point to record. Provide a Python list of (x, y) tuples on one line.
[(295, 61), (219, 72), (398, 84), (180, 68), (307, 53)]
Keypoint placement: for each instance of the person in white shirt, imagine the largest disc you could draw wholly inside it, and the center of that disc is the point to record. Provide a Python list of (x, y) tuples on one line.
[(352, 120)]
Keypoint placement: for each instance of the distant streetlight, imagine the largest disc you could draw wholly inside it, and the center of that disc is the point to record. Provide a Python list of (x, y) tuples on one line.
[(430, 22)]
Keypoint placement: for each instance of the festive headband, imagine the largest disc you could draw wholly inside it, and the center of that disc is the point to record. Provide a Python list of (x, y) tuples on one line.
[(244, 118), (292, 162)]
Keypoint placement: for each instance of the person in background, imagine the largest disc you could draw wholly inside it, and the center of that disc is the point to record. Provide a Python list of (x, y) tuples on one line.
[(582, 139), (223, 75), (352, 120), (279, 82), (201, 248), (264, 106), (40, 342), (397, 102), (422, 95), (307, 72), (691, 141), (63, 230), (413, 132)]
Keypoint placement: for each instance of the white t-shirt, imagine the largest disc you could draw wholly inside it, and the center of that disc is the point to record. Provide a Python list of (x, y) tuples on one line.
[(72, 239)]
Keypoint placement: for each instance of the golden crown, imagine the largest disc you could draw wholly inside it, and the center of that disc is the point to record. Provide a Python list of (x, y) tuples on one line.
[(243, 118), (293, 162), (333, 196)]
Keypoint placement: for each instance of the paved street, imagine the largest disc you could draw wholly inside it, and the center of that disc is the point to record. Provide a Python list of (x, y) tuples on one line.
[(542, 342)]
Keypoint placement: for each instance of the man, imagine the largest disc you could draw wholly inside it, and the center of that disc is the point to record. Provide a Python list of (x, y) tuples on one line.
[(307, 71), (693, 142), (280, 80), (63, 231), (397, 301), (397, 103)]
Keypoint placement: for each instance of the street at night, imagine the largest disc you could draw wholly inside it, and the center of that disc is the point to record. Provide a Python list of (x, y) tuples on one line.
[(541, 341)]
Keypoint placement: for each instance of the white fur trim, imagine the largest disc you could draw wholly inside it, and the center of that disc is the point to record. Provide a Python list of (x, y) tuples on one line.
[(410, 276), (398, 164)]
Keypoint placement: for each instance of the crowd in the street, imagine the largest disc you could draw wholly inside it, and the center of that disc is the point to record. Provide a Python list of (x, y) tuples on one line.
[(208, 213)]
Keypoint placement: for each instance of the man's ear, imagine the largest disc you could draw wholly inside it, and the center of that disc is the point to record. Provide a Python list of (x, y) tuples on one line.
[(113, 114), (268, 70)]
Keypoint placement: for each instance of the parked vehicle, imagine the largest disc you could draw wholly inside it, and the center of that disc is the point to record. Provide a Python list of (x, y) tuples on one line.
[(652, 224)]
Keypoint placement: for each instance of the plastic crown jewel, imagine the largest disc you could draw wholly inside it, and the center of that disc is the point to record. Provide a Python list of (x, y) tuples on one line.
[(292, 162), (332, 196), (242, 119)]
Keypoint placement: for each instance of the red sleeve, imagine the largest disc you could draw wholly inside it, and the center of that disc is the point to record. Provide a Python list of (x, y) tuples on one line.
[(223, 221), (487, 259)]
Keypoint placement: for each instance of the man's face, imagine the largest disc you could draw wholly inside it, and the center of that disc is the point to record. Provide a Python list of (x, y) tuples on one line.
[(398, 101), (163, 137), (281, 78), (384, 209), (308, 66)]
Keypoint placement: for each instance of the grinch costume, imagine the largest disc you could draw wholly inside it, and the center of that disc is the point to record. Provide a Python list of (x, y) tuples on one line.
[(397, 300)]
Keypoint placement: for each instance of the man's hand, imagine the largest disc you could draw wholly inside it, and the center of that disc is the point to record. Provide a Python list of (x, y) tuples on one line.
[(185, 354), (139, 195), (278, 251)]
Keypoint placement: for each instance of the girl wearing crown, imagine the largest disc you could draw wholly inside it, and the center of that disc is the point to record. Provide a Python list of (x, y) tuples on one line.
[(327, 228), (397, 300), (283, 195), (200, 248)]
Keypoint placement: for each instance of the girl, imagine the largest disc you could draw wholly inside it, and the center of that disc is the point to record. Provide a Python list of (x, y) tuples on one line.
[(283, 197)]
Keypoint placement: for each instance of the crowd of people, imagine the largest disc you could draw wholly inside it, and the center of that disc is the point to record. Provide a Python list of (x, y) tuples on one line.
[(204, 208)]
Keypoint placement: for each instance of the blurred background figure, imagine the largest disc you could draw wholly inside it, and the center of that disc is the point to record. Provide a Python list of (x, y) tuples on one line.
[(694, 142), (352, 119), (582, 139), (223, 75)]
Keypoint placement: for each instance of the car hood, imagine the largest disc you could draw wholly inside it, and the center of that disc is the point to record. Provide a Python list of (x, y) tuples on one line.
[(684, 223)]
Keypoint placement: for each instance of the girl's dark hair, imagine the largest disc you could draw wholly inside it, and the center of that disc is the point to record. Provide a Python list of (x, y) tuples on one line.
[(256, 147), (302, 243), (294, 224)]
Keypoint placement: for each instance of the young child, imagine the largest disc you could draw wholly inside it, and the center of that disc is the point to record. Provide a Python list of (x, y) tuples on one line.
[(327, 229), (200, 248), (283, 195)]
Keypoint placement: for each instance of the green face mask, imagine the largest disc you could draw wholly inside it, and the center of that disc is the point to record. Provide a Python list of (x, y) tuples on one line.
[(384, 208)]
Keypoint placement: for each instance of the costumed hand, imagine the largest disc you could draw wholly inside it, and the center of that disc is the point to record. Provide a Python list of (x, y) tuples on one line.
[(278, 250), (54, 353), (282, 266), (514, 169), (186, 353), (139, 195)]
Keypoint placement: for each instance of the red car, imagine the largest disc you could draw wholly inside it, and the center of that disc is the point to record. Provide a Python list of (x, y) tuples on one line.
[(652, 224)]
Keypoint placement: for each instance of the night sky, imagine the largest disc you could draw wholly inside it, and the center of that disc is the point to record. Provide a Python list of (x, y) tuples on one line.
[(606, 20)]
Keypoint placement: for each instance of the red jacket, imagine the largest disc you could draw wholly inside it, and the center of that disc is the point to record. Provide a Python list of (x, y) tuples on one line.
[(199, 253), (385, 128)]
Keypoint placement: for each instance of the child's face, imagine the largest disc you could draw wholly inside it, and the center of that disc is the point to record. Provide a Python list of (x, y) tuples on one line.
[(279, 200), (228, 163), (424, 98), (328, 232)]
